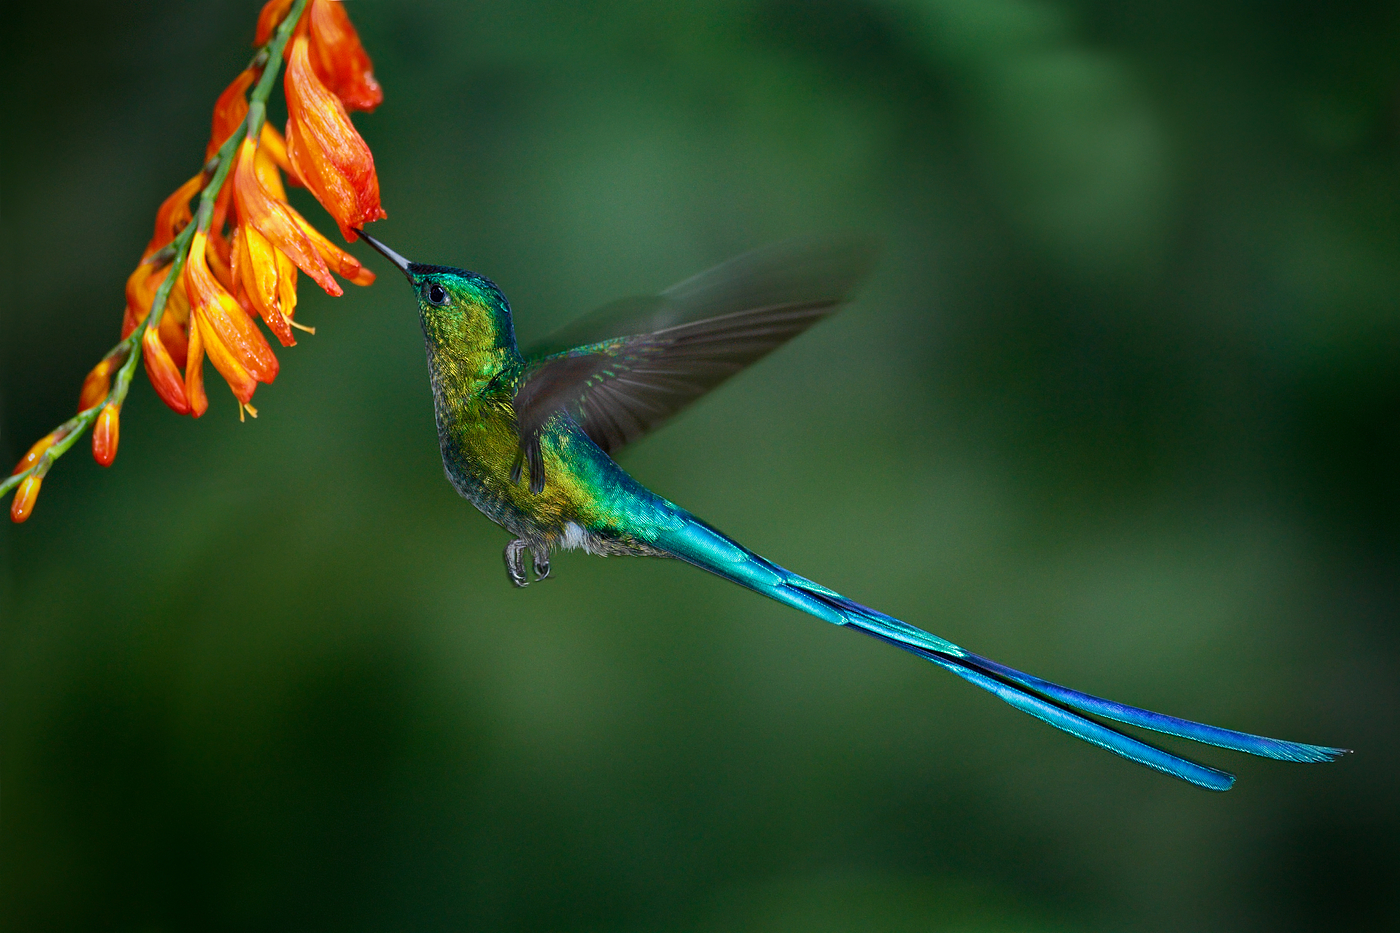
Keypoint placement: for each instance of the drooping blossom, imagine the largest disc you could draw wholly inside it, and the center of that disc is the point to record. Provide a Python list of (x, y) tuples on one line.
[(223, 331), (331, 158), (337, 56), (241, 264), (230, 110)]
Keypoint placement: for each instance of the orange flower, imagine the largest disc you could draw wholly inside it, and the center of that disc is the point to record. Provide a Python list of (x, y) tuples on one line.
[(267, 279), (243, 266), (23, 503), (230, 110), (331, 158), (165, 378), (96, 386), (273, 12), (104, 434), (141, 290), (271, 142), (175, 321), (269, 214), (174, 214), (220, 256), (225, 332), (32, 456), (99, 382), (337, 56)]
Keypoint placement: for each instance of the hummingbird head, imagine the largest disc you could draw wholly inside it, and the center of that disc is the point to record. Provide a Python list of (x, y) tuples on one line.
[(459, 310)]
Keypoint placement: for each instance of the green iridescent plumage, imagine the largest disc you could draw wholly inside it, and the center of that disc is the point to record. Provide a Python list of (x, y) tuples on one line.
[(528, 438)]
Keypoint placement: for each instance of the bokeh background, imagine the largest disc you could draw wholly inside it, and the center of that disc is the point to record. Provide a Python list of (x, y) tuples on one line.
[(1120, 407)]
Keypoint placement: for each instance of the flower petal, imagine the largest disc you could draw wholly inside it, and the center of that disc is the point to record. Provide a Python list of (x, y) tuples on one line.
[(194, 375), (230, 110), (174, 323), (273, 12), (98, 383), (337, 258), (217, 254), (261, 267), (331, 158), (174, 214), (230, 338), (160, 369), (141, 288), (276, 220), (239, 379), (339, 58), (271, 142)]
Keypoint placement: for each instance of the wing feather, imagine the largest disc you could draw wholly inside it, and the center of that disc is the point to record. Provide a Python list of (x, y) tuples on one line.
[(646, 359)]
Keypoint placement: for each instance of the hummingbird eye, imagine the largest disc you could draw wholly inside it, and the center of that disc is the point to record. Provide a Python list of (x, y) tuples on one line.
[(437, 295)]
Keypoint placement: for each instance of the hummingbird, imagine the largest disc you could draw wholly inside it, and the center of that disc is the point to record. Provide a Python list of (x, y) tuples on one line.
[(529, 438)]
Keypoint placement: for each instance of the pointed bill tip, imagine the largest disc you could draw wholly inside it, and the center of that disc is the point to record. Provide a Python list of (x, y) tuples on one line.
[(384, 251)]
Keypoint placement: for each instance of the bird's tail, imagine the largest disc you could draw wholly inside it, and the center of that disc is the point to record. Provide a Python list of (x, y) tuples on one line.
[(699, 544)]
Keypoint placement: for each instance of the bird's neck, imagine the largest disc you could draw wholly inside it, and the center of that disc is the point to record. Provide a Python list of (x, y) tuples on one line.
[(466, 375)]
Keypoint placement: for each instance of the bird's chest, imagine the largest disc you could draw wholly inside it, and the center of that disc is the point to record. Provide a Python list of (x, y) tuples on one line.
[(480, 447)]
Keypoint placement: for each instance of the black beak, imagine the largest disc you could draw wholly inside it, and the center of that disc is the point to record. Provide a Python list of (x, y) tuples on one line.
[(386, 252)]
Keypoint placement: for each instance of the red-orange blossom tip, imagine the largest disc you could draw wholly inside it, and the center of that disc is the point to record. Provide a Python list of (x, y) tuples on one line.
[(23, 503), (104, 434)]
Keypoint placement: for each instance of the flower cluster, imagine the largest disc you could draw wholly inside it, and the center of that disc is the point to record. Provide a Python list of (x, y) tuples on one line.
[(209, 273)]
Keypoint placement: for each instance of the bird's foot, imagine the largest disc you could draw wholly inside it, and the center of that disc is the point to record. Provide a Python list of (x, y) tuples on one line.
[(515, 562)]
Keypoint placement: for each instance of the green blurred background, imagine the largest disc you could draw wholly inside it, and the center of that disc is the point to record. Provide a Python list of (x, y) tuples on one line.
[(1119, 407)]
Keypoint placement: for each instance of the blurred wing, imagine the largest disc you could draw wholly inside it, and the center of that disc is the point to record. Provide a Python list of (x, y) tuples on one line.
[(646, 359)]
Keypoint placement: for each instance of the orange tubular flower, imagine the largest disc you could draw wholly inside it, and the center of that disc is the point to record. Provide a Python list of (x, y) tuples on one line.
[(230, 110), (165, 378), (174, 214), (273, 12), (96, 386), (271, 142), (99, 382), (268, 213), (194, 377), (23, 503), (141, 288), (267, 279), (225, 332), (104, 434), (337, 56), (331, 158), (343, 262), (242, 262), (34, 453)]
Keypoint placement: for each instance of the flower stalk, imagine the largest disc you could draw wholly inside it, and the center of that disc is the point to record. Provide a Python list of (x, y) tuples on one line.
[(200, 306)]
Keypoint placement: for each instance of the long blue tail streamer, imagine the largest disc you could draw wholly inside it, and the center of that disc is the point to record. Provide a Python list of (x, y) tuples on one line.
[(709, 549)]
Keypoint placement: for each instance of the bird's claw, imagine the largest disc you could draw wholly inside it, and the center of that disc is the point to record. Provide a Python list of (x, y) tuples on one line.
[(515, 562)]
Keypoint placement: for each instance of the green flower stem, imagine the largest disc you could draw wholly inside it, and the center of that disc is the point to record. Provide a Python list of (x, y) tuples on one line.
[(177, 252)]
